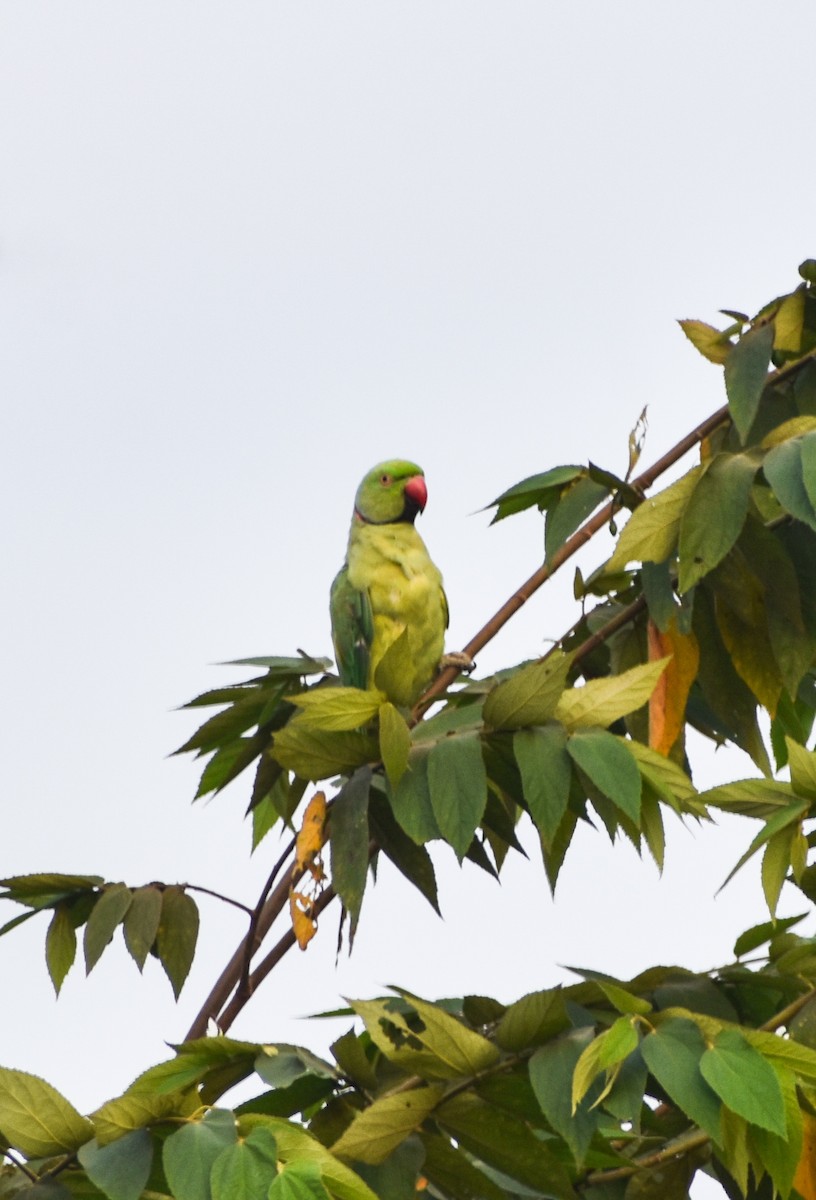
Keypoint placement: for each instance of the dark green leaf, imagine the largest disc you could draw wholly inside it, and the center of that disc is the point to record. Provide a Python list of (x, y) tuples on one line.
[(108, 912), (451, 1172), (411, 860), (551, 1071), (506, 1143), (190, 1152), (177, 936), (120, 1169), (411, 799), (672, 1054), (784, 471), (546, 769), (60, 946), (458, 786), (609, 765), (348, 831), (746, 372), (141, 924), (45, 890), (575, 503), (724, 488), (758, 934), (397, 1177), (303, 664), (745, 1081), (228, 763), (539, 490)]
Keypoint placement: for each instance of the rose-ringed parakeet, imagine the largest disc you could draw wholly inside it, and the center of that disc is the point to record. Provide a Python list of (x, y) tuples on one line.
[(388, 584)]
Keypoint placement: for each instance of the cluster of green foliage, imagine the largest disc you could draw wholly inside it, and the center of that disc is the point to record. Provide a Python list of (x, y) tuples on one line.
[(704, 616)]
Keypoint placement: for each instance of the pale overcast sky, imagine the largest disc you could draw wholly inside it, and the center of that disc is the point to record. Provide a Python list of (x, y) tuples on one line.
[(246, 251)]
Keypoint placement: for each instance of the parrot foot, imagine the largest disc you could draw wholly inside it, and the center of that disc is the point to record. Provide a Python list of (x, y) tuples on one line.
[(461, 662)]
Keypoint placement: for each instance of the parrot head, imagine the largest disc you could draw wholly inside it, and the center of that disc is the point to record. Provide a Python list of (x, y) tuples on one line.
[(392, 492)]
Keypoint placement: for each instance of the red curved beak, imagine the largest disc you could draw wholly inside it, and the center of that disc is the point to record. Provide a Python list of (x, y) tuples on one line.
[(415, 488)]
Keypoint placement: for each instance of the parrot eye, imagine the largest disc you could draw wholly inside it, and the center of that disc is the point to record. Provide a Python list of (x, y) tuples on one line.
[(385, 480)]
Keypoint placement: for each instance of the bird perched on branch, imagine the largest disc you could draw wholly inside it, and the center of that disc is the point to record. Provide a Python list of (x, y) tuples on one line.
[(388, 584)]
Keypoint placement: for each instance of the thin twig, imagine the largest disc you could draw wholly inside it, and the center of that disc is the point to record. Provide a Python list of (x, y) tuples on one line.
[(194, 887), (286, 942), (19, 1164), (252, 940), (692, 1140)]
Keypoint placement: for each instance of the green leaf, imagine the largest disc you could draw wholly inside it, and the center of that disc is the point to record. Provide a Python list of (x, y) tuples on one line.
[(462, 1050), (107, 913), (608, 764), (45, 890), (395, 673), (246, 1170), (395, 743), (398, 1176), (134, 1110), (575, 503), (776, 862), (301, 1181), (551, 1072), (36, 1119), (120, 1169), (780, 1155), (546, 770), (411, 860), (177, 935), (384, 1124), (604, 1051), (781, 819), (60, 946), (314, 755), (784, 471), (335, 709), (190, 1152), (541, 490), (745, 1081), (746, 373), (672, 1054), (802, 769), (411, 799), (757, 935), (712, 343), (500, 1140), (529, 696), (724, 488), (453, 1174), (348, 833), (141, 924), (458, 786), (651, 533), (602, 701)]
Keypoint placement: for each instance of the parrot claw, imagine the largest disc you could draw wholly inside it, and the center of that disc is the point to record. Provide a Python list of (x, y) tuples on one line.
[(458, 660)]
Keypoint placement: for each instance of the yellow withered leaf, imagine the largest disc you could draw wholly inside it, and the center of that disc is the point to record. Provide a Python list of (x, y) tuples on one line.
[(667, 703), (310, 837), (805, 1179), (304, 925)]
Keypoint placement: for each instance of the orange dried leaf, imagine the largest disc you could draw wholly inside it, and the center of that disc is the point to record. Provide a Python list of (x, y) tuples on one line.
[(310, 837), (301, 910), (667, 705), (805, 1178)]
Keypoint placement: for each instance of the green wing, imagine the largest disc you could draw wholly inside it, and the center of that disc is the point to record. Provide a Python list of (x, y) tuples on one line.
[(352, 630)]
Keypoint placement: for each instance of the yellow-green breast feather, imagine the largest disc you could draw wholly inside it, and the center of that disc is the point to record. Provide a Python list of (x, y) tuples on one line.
[(388, 584)]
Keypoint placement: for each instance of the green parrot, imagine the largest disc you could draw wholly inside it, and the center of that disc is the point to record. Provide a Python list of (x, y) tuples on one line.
[(388, 583)]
